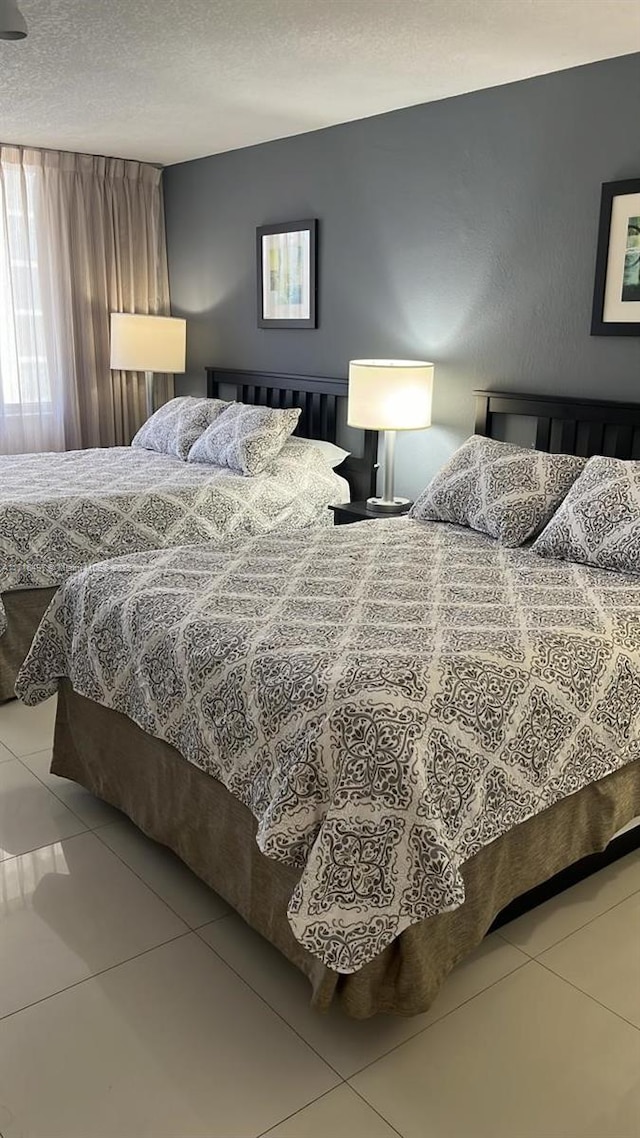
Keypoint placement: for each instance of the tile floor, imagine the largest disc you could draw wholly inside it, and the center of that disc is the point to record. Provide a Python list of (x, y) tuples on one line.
[(134, 1004)]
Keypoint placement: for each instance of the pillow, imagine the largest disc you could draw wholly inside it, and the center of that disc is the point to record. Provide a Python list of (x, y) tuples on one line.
[(599, 521), (334, 455), (245, 438), (174, 427), (506, 491)]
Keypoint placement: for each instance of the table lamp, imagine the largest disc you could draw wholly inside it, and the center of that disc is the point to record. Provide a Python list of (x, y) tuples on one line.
[(389, 396), (148, 343)]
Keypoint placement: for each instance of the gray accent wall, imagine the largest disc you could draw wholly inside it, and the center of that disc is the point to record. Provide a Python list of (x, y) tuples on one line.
[(462, 231)]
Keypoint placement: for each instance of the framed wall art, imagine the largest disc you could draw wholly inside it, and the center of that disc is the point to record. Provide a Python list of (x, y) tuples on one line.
[(616, 297), (287, 274)]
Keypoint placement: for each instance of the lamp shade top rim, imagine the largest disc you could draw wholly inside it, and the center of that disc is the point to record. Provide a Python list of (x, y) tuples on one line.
[(390, 363)]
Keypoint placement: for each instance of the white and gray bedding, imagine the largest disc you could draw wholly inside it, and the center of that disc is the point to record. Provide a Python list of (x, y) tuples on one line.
[(387, 699), (60, 512)]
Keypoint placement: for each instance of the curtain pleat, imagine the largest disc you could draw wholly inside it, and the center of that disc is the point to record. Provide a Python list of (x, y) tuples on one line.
[(80, 237)]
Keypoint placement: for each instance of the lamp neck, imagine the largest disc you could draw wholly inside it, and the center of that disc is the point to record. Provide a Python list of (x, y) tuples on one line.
[(148, 381), (389, 466)]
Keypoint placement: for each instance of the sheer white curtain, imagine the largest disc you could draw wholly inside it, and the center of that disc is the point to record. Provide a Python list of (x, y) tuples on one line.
[(80, 237), (31, 408)]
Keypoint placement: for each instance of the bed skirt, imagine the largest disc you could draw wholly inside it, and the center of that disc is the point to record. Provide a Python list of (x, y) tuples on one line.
[(175, 803), (24, 609)]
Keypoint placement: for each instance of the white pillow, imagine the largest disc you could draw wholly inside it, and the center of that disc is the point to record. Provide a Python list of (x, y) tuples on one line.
[(334, 455)]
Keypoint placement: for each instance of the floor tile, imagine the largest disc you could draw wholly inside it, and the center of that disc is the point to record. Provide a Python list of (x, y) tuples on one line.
[(169, 877), (603, 959), (30, 816), (91, 810), (547, 924), (340, 1114), (27, 729), (68, 911), (5, 754), (169, 1044), (531, 1057), (346, 1044)]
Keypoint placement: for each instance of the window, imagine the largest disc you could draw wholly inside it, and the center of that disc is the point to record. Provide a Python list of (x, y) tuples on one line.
[(24, 375)]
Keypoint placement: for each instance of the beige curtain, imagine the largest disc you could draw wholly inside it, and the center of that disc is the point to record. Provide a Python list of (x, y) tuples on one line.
[(94, 232)]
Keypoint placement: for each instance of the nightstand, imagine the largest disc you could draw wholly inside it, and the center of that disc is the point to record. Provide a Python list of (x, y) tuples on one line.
[(348, 512)]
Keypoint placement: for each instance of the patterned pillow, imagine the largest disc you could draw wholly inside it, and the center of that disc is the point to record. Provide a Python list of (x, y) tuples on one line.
[(245, 438), (174, 427), (599, 521), (505, 491)]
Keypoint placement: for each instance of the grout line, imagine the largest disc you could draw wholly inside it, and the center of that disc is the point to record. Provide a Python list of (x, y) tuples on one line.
[(395, 1047), (94, 830), (211, 921), (40, 751), (275, 1011), (295, 1113), (375, 1110), (589, 995), (146, 883), (95, 975), (52, 792), (445, 1015), (103, 825), (265, 1133), (47, 845), (579, 928), (12, 753), (516, 946)]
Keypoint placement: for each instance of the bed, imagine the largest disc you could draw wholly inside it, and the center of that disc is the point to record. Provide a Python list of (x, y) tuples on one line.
[(369, 792), (59, 512)]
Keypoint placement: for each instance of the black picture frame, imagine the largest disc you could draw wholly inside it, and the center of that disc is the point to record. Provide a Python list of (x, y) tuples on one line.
[(310, 226), (600, 326)]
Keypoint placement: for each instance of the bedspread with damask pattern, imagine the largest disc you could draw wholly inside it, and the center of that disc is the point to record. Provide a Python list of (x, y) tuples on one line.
[(59, 512), (386, 698)]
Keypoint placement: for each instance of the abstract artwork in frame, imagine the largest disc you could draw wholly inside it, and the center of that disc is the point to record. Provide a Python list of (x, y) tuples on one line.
[(616, 297), (287, 266)]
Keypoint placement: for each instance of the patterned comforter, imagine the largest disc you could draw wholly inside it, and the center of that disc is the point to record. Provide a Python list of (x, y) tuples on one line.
[(60, 512), (387, 698)]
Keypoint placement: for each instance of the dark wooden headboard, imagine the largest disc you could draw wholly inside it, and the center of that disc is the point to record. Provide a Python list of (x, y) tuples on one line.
[(319, 399), (567, 426)]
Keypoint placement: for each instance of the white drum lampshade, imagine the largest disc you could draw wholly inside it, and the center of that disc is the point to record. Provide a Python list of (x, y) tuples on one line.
[(148, 343), (390, 396)]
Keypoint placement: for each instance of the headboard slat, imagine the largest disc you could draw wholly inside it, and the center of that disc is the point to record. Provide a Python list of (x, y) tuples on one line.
[(316, 415), (568, 437), (543, 433), (623, 440), (595, 439), (300, 400)]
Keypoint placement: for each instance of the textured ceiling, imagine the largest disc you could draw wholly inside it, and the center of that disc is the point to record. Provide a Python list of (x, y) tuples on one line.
[(167, 80)]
